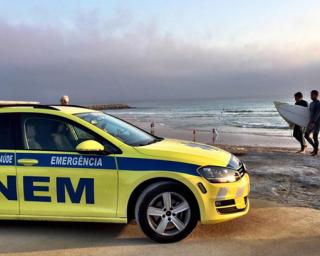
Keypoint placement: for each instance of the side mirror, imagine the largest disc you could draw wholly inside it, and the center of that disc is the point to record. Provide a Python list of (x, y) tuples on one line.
[(90, 147)]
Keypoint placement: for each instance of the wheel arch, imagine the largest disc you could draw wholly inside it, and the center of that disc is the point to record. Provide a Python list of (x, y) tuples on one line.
[(142, 186)]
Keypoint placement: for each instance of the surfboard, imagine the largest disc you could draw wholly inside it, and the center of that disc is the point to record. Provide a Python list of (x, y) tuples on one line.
[(293, 114)]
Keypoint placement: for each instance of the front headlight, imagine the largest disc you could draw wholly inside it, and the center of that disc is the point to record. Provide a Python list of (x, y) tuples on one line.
[(217, 174), (234, 163)]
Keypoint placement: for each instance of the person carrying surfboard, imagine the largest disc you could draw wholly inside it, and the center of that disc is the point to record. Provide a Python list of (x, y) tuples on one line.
[(298, 131), (314, 124)]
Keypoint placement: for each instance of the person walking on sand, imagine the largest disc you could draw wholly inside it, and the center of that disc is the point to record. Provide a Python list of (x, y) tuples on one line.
[(65, 100), (314, 124), (298, 131)]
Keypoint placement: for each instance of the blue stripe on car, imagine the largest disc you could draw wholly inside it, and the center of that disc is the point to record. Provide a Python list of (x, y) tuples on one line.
[(141, 164), (108, 162)]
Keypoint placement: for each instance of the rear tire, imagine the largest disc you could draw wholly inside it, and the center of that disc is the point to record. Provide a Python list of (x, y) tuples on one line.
[(166, 212)]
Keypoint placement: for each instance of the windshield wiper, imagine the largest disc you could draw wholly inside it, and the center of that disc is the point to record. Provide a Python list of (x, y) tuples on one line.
[(150, 142), (155, 141)]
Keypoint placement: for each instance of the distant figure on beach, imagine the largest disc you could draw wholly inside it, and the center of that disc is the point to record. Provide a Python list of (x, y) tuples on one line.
[(65, 100), (215, 135), (298, 132), (314, 124)]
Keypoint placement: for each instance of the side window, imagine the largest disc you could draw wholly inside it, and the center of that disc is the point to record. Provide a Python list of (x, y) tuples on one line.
[(83, 135), (54, 134), (6, 139)]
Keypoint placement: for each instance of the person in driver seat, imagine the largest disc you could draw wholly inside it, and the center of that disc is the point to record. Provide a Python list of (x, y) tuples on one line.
[(61, 137)]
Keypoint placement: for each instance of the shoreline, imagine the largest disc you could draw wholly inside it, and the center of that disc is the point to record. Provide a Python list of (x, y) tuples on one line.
[(244, 138)]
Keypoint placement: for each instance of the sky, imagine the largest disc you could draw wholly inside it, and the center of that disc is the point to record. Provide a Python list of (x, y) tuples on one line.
[(121, 51)]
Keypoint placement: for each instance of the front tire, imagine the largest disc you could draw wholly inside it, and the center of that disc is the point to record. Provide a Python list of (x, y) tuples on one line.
[(166, 212)]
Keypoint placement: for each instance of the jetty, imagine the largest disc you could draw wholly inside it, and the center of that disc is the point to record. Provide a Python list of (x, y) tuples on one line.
[(108, 106)]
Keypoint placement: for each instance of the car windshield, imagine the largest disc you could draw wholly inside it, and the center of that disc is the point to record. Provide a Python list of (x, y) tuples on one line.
[(122, 130)]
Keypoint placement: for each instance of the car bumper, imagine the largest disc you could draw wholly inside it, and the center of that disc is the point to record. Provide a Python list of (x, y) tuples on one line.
[(225, 201)]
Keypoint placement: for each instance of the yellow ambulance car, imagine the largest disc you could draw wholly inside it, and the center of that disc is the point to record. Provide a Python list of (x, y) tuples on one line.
[(75, 164)]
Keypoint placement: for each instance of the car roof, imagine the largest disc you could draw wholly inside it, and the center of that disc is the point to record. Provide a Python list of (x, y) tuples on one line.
[(74, 109), (70, 109)]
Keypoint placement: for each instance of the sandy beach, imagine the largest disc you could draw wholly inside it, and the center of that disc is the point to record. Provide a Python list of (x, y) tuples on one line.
[(284, 219), (268, 229)]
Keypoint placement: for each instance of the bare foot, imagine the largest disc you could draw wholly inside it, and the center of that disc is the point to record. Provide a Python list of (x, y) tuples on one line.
[(302, 151)]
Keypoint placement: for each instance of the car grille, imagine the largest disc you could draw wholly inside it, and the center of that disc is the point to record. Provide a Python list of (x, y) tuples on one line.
[(228, 206), (229, 210), (225, 203)]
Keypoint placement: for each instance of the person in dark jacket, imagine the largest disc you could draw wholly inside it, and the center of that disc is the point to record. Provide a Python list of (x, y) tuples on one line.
[(298, 132), (314, 124)]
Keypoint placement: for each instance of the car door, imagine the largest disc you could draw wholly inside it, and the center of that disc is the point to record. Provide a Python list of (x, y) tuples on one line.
[(57, 180), (9, 204)]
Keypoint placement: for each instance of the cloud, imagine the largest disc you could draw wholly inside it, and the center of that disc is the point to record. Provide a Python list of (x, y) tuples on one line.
[(98, 62)]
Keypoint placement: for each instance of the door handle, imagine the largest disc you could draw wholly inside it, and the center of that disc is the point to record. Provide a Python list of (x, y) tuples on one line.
[(28, 162)]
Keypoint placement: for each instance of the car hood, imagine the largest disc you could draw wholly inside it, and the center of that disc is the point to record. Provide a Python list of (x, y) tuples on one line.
[(186, 151)]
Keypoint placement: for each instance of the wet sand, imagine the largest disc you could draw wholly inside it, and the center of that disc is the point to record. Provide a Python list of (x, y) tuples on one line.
[(281, 175)]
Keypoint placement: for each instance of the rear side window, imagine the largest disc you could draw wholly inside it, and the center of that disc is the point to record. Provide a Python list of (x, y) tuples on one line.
[(6, 139), (48, 134)]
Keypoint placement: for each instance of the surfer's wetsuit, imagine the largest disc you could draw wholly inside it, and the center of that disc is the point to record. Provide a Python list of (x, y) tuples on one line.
[(314, 119), (297, 130)]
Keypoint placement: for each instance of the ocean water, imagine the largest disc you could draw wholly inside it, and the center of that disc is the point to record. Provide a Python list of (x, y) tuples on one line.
[(251, 116)]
